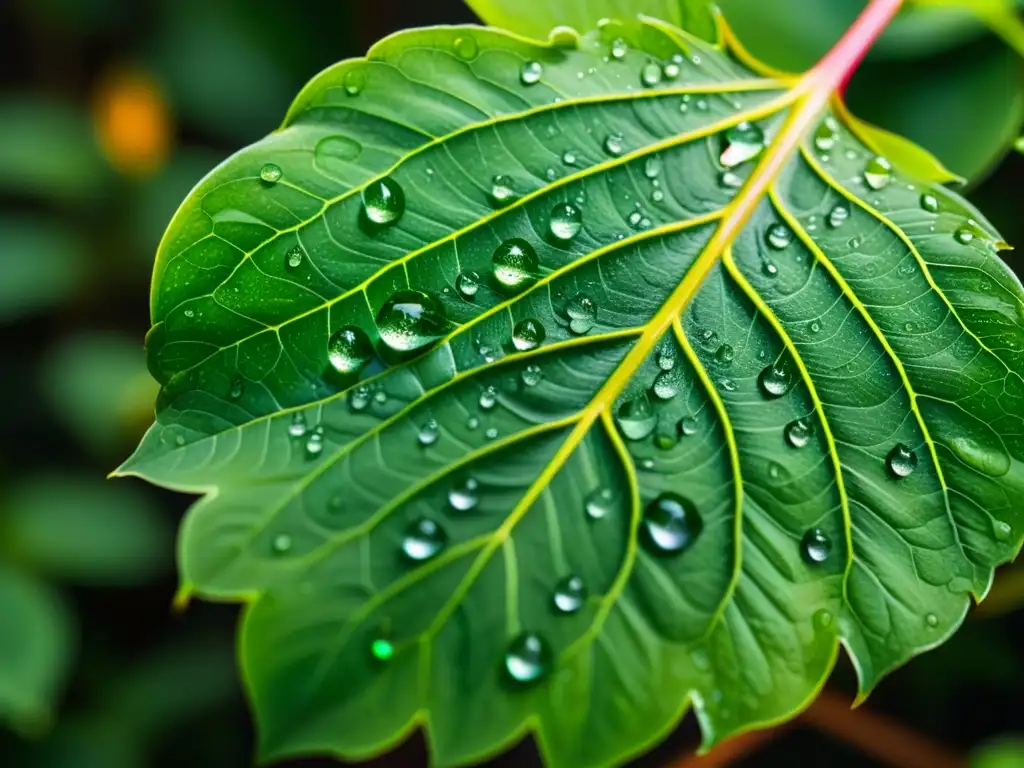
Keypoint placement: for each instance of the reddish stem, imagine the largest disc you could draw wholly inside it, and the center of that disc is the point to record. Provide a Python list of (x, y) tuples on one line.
[(834, 71)]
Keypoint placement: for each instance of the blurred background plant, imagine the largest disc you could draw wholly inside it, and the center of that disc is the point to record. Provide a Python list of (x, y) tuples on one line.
[(110, 110)]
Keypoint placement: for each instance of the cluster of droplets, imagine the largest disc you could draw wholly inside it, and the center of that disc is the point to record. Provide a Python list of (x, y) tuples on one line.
[(311, 438)]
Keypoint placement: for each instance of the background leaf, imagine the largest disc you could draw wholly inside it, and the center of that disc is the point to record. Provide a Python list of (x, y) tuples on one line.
[(43, 264)]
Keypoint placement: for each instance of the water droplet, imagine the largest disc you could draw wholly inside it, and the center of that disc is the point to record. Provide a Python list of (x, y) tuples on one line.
[(931, 620), (349, 349), (271, 173), (827, 134), (1002, 530), (463, 495), (528, 334), (964, 235), (297, 428), (466, 47), (613, 144), (473, 422), (619, 49), (515, 264), (359, 398), (488, 397), (667, 359), (531, 375), (382, 649), (776, 379), (383, 201), (702, 105), (987, 457), (798, 433), (569, 157), (467, 284), (725, 354), (294, 257), (428, 433), (930, 203), (598, 503), (878, 173), (730, 180), (503, 190), (491, 433), (190, 313), (665, 440), (822, 619), (281, 544), (566, 222), (667, 384), (355, 81), (816, 546), (671, 523), (769, 268), (902, 461), (814, 327), (582, 313), (743, 142), (671, 71), (650, 75), (237, 388), (528, 658), (779, 236), (315, 443), (423, 539), (652, 167), (838, 215), (637, 418), (569, 594), (531, 73), (410, 320), (688, 426)]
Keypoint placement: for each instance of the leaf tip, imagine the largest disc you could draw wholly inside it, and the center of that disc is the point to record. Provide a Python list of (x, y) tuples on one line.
[(182, 599)]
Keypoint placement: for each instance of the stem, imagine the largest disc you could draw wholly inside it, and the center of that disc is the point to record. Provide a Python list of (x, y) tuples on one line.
[(838, 65), (728, 752)]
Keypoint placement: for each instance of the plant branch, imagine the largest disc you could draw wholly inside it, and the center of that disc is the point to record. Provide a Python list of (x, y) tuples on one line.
[(729, 751)]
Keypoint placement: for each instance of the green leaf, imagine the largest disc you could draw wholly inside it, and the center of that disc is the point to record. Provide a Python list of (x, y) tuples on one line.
[(36, 641), (43, 264), (85, 530), (536, 18), (825, 380), (1003, 752)]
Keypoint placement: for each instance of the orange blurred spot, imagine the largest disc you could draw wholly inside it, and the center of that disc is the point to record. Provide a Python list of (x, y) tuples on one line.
[(133, 122)]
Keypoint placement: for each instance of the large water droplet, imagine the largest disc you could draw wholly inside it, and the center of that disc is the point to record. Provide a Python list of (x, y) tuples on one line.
[(650, 74), (428, 433), (988, 459), (779, 236), (816, 546), (383, 201), (878, 173), (902, 461), (743, 142), (467, 284), (799, 432), (671, 523), (528, 334), (410, 320), (503, 190), (271, 173), (528, 658), (349, 349), (423, 539), (582, 313), (614, 144), (667, 384), (570, 594), (777, 379), (531, 73), (463, 496), (515, 265), (637, 418), (566, 222)]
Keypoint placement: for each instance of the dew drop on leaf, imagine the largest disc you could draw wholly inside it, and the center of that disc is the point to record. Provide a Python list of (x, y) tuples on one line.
[(779, 236), (1002, 530), (466, 47), (237, 388), (667, 384), (566, 222), (827, 134), (667, 359), (315, 443), (838, 215), (528, 658), (467, 284), (281, 544), (569, 594), (423, 539), (902, 461), (964, 235), (930, 203), (355, 81), (297, 427), (271, 173), (878, 172), (383, 201), (619, 49), (382, 649), (530, 73), (688, 426), (650, 75), (349, 349), (816, 546), (527, 334), (730, 180), (582, 313), (613, 144), (515, 264), (671, 71), (358, 399), (777, 379), (531, 375), (598, 503), (503, 190), (798, 433), (742, 142), (725, 354), (931, 620), (491, 433), (637, 418), (822, 619), (463, 496), (410, 320), (429, 433), (671, 523), (488, 398), (294, 257), (652, 167)]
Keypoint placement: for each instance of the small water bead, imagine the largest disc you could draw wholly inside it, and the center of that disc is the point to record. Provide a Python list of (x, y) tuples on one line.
[(614, 144), (671, 523), (688, 426), (315, 443), (1002, 530), (822, 619), (551, 174), (294, 257), (355, 81), (667, 384), (528, 334), (779, 236), (237, 388), (190, 313), (964, 235), (657, 196), (769, 268), (724, 354), (271, 173), (582, 313), (743, 142), (528, 658), (531, 375), (798, 433), (297, 428), (410, 320), (491, 433), (902, 461), (650, 75), (653, 166), (878, 173), (671, 71), (838, 215), (503, 190), (381, 649), (665, 440), (569, 157), (423, 539), (429, 433), (776, 379), (619, 49), (566, 222), (383, 201), (730, 180), (359, 398), (930, 203), (515, 264), (570, 594), (816, 546), (468, 284), (466, 47), (488, 398), (814, 326), (931, 620), (463, 497), (667, 359), (281, 544), (598, 503), (380, 397), (634, 219), (827, 134), (637, 418), (349, 349), (531, 73), (473, 422)]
